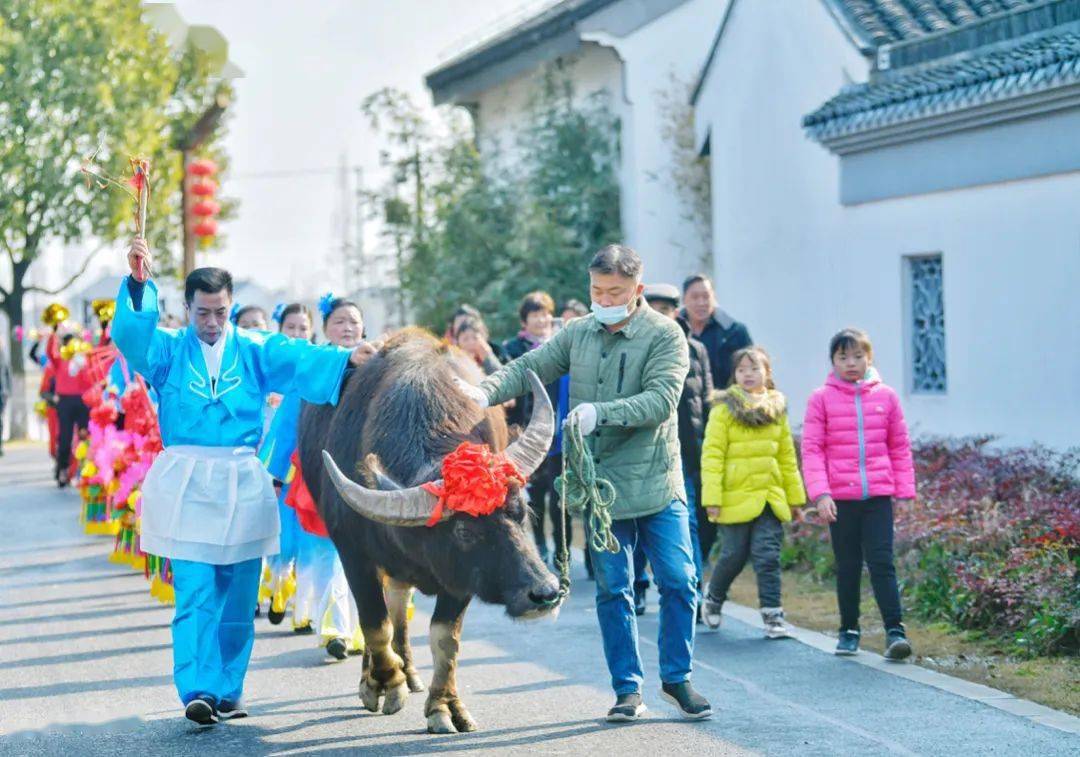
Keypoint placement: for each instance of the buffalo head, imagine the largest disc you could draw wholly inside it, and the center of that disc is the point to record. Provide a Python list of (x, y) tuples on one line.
[(489, 556)]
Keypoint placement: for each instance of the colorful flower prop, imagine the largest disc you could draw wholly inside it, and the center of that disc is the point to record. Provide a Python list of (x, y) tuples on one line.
[(475, 481), (104, 309), (326, 304), (54, 315)]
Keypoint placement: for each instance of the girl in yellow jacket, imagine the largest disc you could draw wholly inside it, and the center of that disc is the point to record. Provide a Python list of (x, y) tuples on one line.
[(750, 482)]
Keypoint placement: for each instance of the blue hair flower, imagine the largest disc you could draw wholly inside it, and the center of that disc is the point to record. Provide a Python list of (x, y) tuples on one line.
[(234, 314), (278, 311), (326, 304)]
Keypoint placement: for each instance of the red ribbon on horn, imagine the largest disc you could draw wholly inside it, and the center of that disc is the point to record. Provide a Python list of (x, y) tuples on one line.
[(475, 481)]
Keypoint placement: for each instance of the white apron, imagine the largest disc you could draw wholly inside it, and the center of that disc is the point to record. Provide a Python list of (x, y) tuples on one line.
[(209, 504)]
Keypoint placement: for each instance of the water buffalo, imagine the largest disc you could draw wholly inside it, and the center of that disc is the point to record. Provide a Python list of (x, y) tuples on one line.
[(399, 415)]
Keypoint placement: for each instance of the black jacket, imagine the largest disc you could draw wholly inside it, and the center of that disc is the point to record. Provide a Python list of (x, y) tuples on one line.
[(521, 412), (694, 403), (722, 337)]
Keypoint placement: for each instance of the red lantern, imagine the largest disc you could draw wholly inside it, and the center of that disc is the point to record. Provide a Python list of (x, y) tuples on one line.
[(207, 228), (202, 167), (205, 188), (206, 208)]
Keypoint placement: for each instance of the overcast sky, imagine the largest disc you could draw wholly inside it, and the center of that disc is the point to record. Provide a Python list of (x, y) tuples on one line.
[(307, 66)]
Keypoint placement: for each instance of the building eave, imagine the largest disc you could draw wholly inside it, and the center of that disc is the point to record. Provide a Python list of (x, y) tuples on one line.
[(886, 132), (509, 44)]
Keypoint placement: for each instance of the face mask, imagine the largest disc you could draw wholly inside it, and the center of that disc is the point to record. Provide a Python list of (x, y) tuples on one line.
[(612, 314)]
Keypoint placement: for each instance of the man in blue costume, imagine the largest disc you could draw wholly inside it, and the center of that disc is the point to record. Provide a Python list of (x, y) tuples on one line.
[(209, 505)]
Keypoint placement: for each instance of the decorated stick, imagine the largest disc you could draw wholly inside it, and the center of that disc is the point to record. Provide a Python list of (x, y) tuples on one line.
[(137, 188), (140, 179)]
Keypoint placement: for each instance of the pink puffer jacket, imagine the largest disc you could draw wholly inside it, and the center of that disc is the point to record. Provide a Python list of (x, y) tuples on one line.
[(855, 442)]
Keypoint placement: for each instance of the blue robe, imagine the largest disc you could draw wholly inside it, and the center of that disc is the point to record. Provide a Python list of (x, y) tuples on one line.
[(207, 502)]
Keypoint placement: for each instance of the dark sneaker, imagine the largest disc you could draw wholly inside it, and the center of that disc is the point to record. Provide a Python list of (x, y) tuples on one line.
[(231, 710), (627, 707), (692, 705), (337, 648), (304, 630), (847, 644), (711, 611), (897, 646), (639, 601), (200, 711), (274, 617)]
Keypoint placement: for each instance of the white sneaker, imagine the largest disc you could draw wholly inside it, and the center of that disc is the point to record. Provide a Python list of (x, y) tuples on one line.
[(710, 612), (775, 627)]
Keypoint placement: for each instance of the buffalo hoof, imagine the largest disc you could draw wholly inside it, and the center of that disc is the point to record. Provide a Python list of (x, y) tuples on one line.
[(369, 695), (395, 699), (412, 678), (461, 718), (440, 722)]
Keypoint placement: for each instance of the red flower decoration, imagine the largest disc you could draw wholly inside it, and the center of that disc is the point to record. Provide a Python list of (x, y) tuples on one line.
[(475, 481), (104, 414)]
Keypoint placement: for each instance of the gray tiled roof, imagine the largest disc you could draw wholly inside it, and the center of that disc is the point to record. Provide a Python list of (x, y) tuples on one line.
[(883, 21), (1029, 67)]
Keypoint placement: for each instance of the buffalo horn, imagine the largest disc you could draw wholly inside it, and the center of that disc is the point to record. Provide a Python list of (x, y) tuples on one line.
[(531, 448), (401, 507)]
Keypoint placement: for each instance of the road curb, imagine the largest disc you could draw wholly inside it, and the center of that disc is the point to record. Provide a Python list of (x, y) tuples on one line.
[(1002, 700)]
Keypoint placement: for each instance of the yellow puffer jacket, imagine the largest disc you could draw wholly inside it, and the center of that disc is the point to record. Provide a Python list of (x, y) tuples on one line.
[(749, 459)]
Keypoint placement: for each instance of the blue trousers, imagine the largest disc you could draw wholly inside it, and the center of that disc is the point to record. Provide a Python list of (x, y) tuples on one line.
[(213, 629), (641, 576), (665, 537)]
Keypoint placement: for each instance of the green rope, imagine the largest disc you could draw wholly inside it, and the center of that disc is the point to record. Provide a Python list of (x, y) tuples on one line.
[(583, 493)]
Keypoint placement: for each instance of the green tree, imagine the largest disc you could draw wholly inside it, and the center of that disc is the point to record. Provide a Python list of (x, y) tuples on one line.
[(79, 77), (479, 228)]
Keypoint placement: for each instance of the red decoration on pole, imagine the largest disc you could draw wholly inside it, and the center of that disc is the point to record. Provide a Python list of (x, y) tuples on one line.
[(202, 167), (206, 208), (207, 228), (205, 188)]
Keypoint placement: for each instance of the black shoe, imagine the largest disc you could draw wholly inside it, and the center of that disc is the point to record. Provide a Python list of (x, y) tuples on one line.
[(897, 646), (201, 711), (847, 644), (304, 630), (627, 707), (692, 705), (337, 648), (275, 618), (258, 611), (231, 711), (639, 601)]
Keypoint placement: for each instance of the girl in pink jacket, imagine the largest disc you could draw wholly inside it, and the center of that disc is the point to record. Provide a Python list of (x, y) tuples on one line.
[(856, 459)]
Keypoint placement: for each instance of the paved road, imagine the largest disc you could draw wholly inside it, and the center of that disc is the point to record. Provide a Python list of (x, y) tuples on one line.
[(85, 669)]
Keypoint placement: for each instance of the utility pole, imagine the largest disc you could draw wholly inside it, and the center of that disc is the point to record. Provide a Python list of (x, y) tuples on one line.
[(187, 145)]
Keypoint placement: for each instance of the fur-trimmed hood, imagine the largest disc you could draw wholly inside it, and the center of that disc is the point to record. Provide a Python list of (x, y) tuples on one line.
[(754, 411)]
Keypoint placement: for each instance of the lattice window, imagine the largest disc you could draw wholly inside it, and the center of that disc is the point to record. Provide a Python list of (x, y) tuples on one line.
[(927, 324)]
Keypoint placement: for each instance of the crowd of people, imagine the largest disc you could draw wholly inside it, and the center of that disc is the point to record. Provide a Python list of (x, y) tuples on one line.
[(679, 407)]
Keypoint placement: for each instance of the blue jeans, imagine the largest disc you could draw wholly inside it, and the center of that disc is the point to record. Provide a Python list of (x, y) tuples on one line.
[(641, 578), (665, 537), (213, 629)]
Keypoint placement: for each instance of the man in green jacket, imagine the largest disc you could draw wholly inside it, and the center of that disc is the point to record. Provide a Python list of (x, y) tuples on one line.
[(627, 364)]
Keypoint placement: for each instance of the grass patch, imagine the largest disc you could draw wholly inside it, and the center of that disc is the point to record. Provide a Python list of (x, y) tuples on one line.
[(1052, 681)]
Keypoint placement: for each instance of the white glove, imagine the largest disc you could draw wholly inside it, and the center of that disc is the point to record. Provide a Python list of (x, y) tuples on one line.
[(473, 392), (585, 415)]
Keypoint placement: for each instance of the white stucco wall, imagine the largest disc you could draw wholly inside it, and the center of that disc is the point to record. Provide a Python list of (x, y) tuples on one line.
[(501, 111), (660, 60), (634, 70), (796, 266)]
